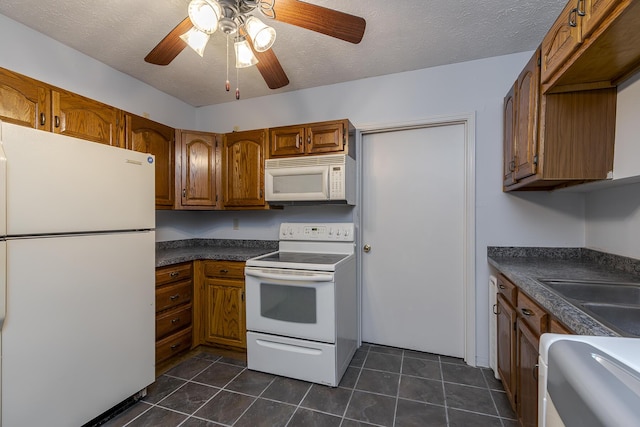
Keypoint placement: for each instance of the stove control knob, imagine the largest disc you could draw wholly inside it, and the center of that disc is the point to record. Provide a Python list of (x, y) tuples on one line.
[(346, 233), (338, 233)]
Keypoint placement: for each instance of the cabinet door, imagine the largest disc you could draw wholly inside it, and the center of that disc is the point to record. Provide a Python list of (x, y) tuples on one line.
[(325, 138), (527, 393), (84, 118), (561, 41), (508, 138), (507, 347), (147, 136), (24, 101), (594, 12), (224, 312), (198, 187), (286, 141), (243, 168), (526, 126)]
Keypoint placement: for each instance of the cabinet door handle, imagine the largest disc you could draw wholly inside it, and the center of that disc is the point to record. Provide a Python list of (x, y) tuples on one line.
[(309, 140), (581, 9), (242, 296), (57, 121), (174, 321), (512, 165), (174, 297), (174, 274), (298, 141), (43, 119), (534, 371), (501, 286), (495, 309), (572, 17), (175, 346), (527, 312), (184, 192)]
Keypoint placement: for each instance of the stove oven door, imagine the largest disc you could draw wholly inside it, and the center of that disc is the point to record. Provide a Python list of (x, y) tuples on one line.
[(292, 303)]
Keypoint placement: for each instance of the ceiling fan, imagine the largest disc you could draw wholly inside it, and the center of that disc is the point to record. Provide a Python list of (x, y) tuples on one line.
[(252, 36)]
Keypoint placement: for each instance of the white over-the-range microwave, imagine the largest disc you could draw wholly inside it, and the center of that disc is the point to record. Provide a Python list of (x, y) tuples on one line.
[(326, 178)]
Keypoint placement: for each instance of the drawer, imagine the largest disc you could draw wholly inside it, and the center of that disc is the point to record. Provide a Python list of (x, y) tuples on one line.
[(173, 273), (532, 314), (172, 295), (171, 321), (508, 289), (173, 345), (233, 269)]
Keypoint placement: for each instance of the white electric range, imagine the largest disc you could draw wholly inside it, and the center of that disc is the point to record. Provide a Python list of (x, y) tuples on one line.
[(301, 304)]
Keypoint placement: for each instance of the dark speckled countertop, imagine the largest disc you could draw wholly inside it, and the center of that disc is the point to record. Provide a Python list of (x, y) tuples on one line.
[(177, 251), (524, 266)]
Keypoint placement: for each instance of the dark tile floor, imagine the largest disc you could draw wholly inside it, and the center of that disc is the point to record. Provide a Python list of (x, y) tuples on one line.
[(384, 386)]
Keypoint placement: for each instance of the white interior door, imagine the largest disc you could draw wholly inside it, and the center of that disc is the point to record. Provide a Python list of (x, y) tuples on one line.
[(413, 216)]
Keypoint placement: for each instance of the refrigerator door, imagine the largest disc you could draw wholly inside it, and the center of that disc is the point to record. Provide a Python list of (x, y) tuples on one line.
[(58, 184), (78, 337)]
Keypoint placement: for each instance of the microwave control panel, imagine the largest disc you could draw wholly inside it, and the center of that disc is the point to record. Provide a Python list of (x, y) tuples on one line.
[(336, 180)]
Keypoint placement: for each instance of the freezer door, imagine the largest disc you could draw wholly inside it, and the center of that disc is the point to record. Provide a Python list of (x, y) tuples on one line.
[(58, 184), (79, 335)]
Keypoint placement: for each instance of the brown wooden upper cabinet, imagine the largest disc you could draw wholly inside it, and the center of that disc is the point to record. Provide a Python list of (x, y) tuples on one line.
[(147, 136), (556, 139), (28, 102), (197, 180), (312, 138), (24, 101), (593, 44), (243, 155)]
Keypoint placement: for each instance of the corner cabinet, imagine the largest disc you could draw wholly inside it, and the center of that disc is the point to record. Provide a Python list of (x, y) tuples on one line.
[(556, 140), (243, 155), (147, 136), (197, 170), (312, 138), (222, 304)]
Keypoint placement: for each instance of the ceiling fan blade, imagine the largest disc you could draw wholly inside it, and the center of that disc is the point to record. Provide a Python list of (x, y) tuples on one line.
[(170, 46), (269, 66), (320, 19)]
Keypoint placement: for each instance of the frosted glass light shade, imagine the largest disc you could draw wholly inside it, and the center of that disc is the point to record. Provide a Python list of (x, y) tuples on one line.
[(244, 54), (261, 34), (204, 15), (196, 39)]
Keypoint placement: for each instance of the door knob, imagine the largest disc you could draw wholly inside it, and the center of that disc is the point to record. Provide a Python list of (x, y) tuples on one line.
[(367, 248)]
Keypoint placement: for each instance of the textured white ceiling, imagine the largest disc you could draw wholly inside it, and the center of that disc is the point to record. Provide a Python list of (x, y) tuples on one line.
[(401, 35)]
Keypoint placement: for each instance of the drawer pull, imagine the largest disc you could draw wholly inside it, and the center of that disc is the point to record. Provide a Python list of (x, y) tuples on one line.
[(174, 297), (224, 271), (176, 320), (572, 17), (175, 346), (174, 274), (527, 312), (501, 286)]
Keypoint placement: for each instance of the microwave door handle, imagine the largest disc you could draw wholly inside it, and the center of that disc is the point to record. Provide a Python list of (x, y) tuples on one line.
[(290, 277)]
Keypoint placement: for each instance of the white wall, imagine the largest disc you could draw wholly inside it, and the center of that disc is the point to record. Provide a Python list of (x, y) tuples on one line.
[(28, 52)]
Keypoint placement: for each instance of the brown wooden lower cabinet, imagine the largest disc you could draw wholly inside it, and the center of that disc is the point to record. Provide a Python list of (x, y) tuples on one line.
[(174, 295), (222, 304), (520, 323)]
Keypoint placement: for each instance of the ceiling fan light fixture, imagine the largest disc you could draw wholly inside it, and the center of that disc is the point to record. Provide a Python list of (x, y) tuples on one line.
[(205, 14), (196, 39), (262, 35), (244, 54)]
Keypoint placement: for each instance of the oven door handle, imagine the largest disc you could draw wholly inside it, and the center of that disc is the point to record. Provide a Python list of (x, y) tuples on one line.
[(306, 277)]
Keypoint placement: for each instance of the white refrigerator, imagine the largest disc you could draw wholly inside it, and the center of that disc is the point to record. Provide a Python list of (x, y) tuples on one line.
[(77, 261)]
